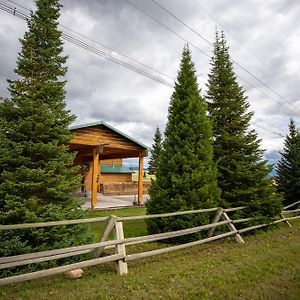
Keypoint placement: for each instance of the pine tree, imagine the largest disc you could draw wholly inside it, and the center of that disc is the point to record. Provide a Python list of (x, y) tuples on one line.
[(242, 172), (155, 151), (37, 177), (288, 167), (186, 173)]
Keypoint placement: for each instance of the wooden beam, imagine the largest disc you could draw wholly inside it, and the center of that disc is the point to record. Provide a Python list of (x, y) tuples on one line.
[(109, 228), (232, 228), (286, 221), (216, 219), (47, 272), (119, 155), (95, 173), (178, 247), (84, 140), (140, 184)]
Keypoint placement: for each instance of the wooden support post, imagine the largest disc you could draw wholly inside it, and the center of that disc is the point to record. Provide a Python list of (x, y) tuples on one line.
[(95, 175), (285, 220), (231, 227), (120, 249), (140, 184), (216, 219), (99, 176), (111, 222)]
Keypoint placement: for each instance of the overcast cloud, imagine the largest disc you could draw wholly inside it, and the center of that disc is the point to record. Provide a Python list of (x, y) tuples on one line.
[(263, 37)]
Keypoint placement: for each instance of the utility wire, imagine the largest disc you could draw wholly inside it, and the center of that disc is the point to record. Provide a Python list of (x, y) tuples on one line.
[(234, 61), (235, 37), (266, 122), (174, 32), (267, 95), (267, 129), (162, 7), (91, 48), (167, 27), (102, 45), (87, 47), (119, 53), (183, 23)]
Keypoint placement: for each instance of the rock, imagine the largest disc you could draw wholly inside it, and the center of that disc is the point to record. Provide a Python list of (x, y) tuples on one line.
[(74, 274)]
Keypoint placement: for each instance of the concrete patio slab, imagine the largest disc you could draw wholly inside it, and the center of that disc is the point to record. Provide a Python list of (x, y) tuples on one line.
[(110, 202)]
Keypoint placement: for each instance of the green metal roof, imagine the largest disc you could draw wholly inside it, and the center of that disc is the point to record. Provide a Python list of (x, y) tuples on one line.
[(99, 123), (115, 169)]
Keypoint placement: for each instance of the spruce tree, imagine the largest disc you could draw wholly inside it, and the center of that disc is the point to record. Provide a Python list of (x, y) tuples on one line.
[(155, 151), (242, 172), (186, 173), (288, 167), (37, 177)]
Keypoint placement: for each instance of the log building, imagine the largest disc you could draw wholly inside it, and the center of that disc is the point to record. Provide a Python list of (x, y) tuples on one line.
[(99, 145)]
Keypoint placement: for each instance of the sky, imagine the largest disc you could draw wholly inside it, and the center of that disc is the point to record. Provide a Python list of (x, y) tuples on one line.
[(263, 37)]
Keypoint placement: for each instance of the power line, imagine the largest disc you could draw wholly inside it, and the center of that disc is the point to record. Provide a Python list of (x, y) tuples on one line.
[(119, 53), (88, 47), (279, 133), (92, 49), (235, 37), (234, 61), (167, 27), (114, 59), (172, 31), (267, 129), (267, 95), (101, 44), (180, 21), (266, 122)]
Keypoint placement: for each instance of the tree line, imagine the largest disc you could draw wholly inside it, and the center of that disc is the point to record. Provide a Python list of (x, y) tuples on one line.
[(210, 156)]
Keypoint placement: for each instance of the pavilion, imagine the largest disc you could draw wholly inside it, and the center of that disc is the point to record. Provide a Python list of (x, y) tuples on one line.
[(97, 141)]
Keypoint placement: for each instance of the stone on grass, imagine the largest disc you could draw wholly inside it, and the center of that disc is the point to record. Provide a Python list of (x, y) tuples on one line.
[(74, 274)]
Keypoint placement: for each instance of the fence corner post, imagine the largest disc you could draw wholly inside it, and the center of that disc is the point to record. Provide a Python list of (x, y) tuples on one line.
[(285, 220), (109, 228), (231, 227), (216, 219), (122, 268)]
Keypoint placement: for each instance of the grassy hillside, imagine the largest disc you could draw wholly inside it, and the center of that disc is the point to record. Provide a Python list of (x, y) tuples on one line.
[(266, 267)]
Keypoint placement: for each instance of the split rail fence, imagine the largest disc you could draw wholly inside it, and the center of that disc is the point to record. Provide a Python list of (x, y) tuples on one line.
[(119, 243)]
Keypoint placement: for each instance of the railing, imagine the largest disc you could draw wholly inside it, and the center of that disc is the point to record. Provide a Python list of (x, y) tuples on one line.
[(120, 257)]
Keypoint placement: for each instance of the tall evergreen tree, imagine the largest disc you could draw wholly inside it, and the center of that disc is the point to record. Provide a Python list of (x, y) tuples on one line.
[(242, 172), (155, 151), (288, 167), (186, 173), (37, 176)]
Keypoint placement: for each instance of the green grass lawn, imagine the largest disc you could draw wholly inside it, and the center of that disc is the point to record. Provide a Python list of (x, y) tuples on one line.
[(148, 177), (131, 228), (267, 266)]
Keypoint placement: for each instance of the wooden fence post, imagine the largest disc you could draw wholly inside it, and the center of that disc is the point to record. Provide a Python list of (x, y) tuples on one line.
[(120, 249), (109, 228), (285, 220), (216, 219), (231, 227)]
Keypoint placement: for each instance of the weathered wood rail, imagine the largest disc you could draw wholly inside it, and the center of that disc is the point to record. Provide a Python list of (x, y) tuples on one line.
[(119, 243)]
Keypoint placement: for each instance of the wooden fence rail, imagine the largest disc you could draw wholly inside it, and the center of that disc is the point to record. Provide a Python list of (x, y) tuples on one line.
[(119, 243), (291, 205), (103, 219)]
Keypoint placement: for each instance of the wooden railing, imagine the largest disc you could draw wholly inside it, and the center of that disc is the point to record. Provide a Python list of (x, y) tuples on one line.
[(119, 243)]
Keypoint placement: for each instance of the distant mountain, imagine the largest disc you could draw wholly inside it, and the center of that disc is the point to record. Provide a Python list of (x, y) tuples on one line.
[(136, 168)]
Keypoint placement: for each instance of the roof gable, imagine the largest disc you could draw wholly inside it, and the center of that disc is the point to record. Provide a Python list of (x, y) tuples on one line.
[(111, 128)]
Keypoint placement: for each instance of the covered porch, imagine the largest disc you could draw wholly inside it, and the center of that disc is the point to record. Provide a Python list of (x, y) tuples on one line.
[(99, 141)]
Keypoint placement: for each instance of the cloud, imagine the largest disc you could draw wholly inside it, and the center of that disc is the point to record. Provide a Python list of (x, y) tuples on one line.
[(98, 89)]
